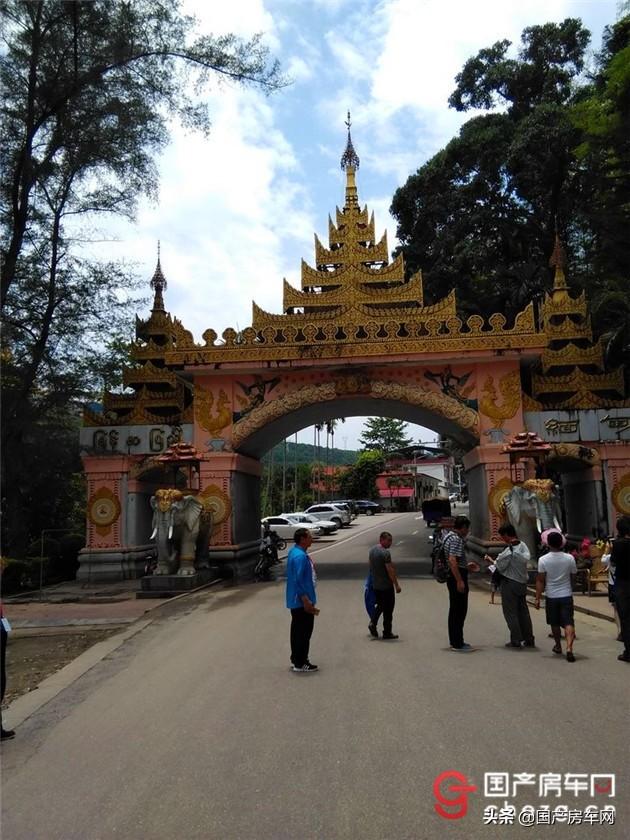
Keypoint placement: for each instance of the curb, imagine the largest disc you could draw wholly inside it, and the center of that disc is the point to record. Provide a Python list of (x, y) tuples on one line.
[(25, 706)]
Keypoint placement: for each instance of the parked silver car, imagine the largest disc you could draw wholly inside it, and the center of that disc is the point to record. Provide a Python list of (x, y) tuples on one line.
[(286, 527), (331, 512), (327, 526)]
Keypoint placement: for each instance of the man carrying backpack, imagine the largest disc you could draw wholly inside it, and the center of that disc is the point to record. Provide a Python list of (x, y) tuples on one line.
[(454, 550)]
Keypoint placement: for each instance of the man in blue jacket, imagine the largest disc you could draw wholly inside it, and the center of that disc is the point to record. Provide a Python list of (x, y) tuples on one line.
[(301, 600)]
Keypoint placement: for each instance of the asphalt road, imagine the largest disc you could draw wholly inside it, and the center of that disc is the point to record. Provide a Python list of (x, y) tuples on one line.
[(195, 727)]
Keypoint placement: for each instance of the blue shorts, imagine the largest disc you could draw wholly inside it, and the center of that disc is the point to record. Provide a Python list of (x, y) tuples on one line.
[(559, 611)]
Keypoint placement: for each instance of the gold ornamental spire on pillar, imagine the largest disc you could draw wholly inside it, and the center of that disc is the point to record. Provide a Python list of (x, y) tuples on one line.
[(350, 164), (158, 283), (558, 260)]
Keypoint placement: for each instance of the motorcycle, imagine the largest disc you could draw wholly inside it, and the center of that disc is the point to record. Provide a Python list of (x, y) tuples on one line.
[(270, 544)]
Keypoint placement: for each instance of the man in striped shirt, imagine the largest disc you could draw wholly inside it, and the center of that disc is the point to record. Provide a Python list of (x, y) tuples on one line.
[(457, 582)]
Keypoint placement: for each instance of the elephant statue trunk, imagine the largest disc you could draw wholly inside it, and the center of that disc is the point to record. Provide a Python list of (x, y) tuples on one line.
[(181, 527), (533, 507)]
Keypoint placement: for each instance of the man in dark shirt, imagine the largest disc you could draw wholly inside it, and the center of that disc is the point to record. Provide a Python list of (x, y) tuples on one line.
[(620, 561), (457, 581), (384, 582)]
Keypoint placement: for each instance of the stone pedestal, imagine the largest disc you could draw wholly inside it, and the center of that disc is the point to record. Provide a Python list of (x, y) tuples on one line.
[(167, 586)]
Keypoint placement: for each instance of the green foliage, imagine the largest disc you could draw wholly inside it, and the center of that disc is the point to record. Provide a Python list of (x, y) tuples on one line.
[(305, 453), (385, 434), (481, 215), (359, 482), (88, 90), (273, 501)]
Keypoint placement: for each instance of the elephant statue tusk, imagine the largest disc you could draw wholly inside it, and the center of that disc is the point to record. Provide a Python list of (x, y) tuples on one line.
[(557, 524), (152, 537), (170, 532)]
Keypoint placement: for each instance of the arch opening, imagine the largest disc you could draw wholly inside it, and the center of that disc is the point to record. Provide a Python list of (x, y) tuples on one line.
[(274, 431)]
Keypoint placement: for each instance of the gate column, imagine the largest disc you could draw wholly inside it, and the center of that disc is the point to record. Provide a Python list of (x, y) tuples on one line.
[(615, 458), (232, 482), (488, 479)]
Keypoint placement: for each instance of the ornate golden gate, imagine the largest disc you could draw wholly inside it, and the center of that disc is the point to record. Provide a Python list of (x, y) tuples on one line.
[(356, 339)]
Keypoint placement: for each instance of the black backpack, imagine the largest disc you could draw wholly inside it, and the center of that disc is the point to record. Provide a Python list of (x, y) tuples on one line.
[(441, 569)]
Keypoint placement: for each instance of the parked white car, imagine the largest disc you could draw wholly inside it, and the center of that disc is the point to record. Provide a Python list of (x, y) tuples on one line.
[(327, 526), (331, 512), (286, 527)]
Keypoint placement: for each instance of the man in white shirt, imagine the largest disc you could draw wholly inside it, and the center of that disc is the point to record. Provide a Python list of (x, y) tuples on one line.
[(511, 564), (554, 576)]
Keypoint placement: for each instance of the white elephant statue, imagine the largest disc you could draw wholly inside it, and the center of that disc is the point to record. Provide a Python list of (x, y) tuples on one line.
[(181, 528), (532, 507)]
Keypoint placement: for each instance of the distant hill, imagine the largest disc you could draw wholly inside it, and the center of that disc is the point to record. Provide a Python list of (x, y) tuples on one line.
[(305, 453)]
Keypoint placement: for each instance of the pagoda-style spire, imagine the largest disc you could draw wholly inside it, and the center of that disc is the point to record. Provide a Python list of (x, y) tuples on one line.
[(350, 164), (558, 260), (158, 283)]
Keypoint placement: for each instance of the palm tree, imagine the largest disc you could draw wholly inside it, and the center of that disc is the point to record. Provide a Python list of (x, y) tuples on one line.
[(331, 425)]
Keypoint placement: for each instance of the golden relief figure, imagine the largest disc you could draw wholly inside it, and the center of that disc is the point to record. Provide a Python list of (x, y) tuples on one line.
[(510, 389), (204, 401)]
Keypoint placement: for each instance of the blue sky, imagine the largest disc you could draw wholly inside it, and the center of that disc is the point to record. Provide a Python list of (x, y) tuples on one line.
[(237, 210)]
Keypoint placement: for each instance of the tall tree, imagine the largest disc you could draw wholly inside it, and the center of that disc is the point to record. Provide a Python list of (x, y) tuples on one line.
[(88, 89), (602, 114), (359, 481), (481, 215), (385, 434)]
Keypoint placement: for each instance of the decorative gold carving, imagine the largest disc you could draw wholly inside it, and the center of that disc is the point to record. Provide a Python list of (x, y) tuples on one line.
[(561, 303), (148, 373), (567, 330), (352, 383), (577, 380), (496, 497), (138, 469), (575, 451), (204, 401), (217, 501), (621, 494), (542, 487), (586, 399), (447, 407), (572, 355), (510, 388), (451, 409), (166, 496), (103, 510), (530, 404)]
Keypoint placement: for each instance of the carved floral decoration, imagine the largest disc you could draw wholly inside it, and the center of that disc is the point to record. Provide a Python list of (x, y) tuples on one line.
[(103, 510)]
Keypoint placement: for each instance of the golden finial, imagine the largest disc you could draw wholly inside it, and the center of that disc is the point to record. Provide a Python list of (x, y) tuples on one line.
[(349, 158), (350, 164), (158, 283), (558, 260)]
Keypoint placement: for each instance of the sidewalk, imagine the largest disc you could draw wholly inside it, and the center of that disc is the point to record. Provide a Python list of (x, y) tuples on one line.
[(76, 604)]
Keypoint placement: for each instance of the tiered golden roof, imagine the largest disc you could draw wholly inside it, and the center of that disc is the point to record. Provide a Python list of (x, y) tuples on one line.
[(159, 397), (353, 280), (572, 363)]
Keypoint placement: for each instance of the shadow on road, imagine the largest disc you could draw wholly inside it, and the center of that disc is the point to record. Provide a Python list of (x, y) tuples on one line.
[(358, 571)]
